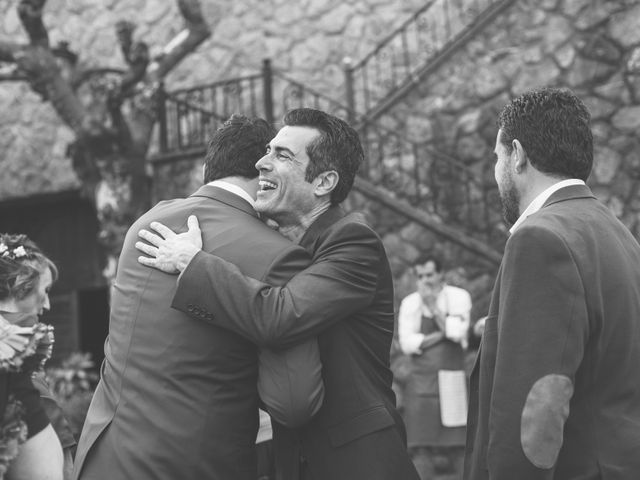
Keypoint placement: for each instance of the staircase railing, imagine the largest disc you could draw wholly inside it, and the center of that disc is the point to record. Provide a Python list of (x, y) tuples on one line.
[(187, 116), (416, 173), (420, 44)]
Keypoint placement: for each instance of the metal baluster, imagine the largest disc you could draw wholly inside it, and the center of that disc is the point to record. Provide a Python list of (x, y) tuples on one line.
[(416, 172)]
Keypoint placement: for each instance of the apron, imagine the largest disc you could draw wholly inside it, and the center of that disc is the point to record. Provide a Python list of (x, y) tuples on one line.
[(422, 407)]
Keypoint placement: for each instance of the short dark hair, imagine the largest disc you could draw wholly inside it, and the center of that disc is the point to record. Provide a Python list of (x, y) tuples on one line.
[(235, 148), (424, 259), (553, 126), (337, 148), (21, 262)]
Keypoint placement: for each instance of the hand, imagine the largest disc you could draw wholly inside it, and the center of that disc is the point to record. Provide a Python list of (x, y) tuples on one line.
[(478, 327), (170, 252), (431, 339)]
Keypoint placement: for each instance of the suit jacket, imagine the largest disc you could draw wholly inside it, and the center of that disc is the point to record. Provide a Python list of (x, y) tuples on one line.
[(177, 397), (345, 297), (555, 391)]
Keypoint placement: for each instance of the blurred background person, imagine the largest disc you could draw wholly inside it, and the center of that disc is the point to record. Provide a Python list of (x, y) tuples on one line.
[(26, 276), (433, 324)]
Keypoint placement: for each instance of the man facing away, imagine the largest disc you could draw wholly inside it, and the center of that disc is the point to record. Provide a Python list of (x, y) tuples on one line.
[(555, 391), (432, 329), (178, 397), (345, 297)]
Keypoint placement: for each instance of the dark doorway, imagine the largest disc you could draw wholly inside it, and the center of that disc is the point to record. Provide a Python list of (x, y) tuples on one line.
[(65, 226), (93, 310)]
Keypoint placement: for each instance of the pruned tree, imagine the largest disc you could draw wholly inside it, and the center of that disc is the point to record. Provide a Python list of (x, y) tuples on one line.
[(111, 111)]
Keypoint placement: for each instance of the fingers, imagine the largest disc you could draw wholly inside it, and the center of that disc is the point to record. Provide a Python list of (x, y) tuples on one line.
[(148, 261), (148, 249), (166, 232), (192, 223), (152, 238)]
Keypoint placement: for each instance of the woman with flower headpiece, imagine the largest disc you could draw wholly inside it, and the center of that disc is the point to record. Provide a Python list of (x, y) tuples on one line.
[(29, 447)]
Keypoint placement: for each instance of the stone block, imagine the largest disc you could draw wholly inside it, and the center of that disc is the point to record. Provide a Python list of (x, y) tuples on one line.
[(599, 107), (589, 73), (565, 55), (597, 13), (606, 164), (627, 118), (624, 27), (534, 76)]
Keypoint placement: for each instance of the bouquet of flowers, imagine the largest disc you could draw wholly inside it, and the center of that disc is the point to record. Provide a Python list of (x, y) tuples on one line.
[(22, 349)]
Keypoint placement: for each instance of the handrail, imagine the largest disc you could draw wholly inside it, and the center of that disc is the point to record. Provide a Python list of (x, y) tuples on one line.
[(389, 38), (219, 83), (403, 57)]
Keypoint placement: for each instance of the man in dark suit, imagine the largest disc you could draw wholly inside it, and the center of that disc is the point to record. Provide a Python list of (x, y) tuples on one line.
[(178, 397), (555, 391), (345, 297)]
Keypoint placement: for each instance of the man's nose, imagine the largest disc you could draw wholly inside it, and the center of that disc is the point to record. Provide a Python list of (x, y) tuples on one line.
[(264, 163)]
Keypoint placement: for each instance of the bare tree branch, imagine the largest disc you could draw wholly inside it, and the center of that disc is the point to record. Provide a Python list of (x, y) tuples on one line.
[(30, 13), (136, 54), (12, 77), (196, 31), (88, 74)]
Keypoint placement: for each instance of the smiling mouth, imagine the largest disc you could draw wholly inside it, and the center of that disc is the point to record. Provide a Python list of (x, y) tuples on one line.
[(264, 185)]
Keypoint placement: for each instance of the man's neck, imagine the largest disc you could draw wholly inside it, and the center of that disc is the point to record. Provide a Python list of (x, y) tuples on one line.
[(249, 185), (535, 188), (294, 232)]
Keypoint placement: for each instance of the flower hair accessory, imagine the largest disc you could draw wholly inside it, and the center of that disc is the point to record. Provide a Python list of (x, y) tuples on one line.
[(12, 253)]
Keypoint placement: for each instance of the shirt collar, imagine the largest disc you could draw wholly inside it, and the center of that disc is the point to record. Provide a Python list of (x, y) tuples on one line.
[(538, 202), (230, 187)]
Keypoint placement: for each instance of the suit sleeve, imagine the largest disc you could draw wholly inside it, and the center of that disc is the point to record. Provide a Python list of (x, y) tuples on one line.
[(290, 380), (542, 333), (342, 280)]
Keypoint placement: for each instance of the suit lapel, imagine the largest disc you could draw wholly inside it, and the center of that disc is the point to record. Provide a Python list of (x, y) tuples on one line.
[(226, 197)]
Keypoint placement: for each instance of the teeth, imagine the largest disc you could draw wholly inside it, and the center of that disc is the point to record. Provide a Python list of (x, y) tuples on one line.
[(265, 185)]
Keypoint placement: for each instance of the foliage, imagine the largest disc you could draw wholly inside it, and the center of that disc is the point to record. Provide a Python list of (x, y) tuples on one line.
[(73, 384)]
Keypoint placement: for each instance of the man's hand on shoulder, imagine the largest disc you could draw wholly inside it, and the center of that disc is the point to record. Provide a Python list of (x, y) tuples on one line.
[(169, 251)]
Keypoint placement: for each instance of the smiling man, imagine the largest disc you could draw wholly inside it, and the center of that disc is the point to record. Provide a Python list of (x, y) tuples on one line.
[(345, 298)]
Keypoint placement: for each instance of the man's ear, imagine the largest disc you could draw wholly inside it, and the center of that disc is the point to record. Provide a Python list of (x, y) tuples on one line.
[(521, 158), (326, 182)]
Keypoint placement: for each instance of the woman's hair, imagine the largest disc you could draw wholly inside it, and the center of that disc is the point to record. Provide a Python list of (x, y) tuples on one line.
[(21, 262)]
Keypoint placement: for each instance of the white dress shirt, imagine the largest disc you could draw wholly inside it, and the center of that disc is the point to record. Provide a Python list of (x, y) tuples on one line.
[(537, 202), (230, 187)]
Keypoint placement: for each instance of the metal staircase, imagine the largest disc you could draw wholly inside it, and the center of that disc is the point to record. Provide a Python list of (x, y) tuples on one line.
[(423, 184), (408, 54)]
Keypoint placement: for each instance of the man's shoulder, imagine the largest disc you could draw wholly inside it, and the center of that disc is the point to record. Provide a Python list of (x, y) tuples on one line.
[(456, 290), (353, 222)]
